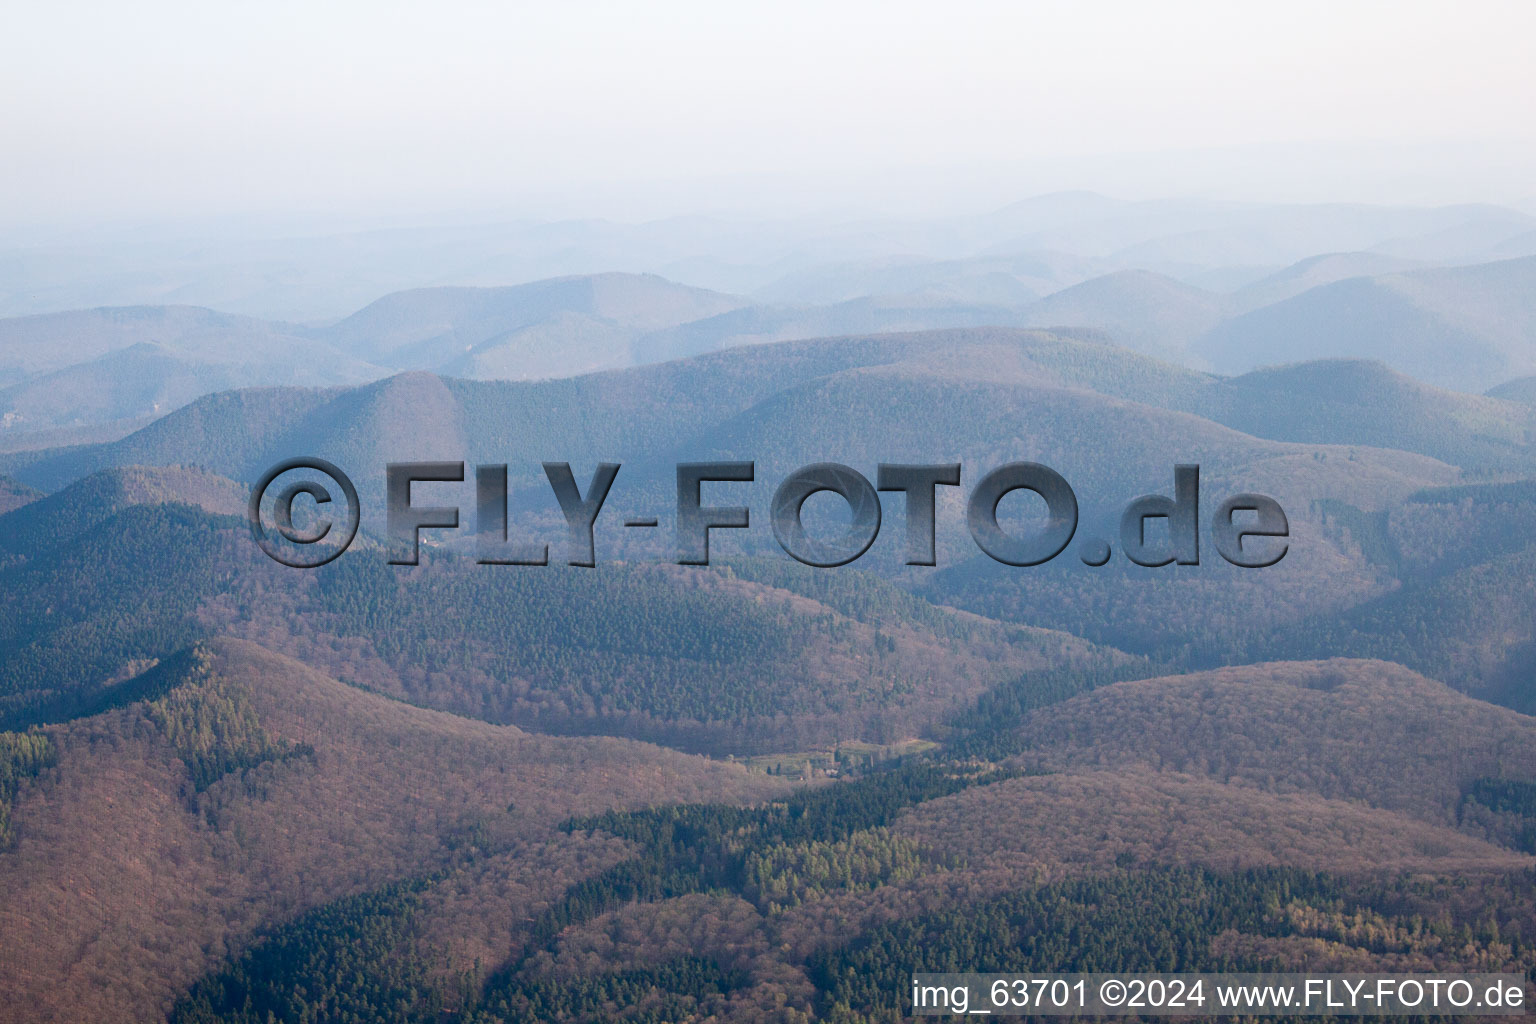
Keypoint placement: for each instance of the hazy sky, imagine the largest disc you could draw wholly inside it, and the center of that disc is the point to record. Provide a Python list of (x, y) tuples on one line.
[(161, 108)]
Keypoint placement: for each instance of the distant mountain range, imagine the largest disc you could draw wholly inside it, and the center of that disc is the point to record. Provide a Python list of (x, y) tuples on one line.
[(1467, 328), (984, 386), (1346, 446), (1001, 256), (98, 366)]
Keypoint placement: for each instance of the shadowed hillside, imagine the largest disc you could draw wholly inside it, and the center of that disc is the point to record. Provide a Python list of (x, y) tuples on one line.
[(1522, 390), (14, 494), (49, 521)]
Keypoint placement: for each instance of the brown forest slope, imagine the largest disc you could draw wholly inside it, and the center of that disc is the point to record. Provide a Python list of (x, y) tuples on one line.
[(126, 883), (1366, 731)]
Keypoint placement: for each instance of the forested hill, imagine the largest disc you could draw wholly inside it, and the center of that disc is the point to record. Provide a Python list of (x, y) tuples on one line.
[(703, 659)]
